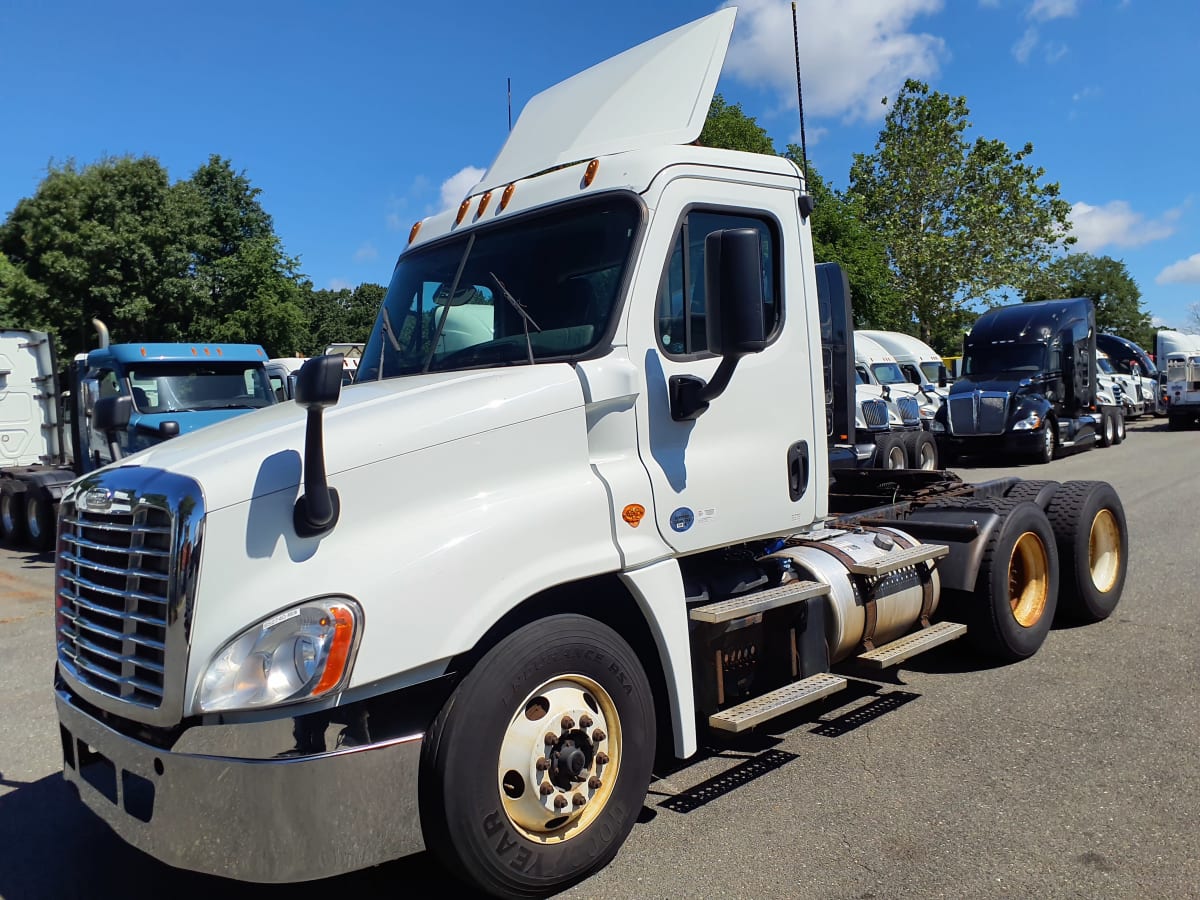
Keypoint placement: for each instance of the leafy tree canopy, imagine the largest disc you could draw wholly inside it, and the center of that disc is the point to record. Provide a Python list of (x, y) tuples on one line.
[(729, 127), (1107, 283), (962, 221)]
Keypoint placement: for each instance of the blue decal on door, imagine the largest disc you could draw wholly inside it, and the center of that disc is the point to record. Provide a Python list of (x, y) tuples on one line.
[(681, 519)]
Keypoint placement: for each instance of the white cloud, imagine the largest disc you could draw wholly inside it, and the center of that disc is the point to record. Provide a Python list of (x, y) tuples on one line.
[(366, 253), (339, 284), (1045, 10), (1117, 224), (1025, 46), (455, 188), (1086, 94), (1186, 271), (1055, 50), (849, 60)]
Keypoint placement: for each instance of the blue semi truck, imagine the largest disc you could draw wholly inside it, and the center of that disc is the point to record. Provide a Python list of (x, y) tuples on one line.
[(47, 437)]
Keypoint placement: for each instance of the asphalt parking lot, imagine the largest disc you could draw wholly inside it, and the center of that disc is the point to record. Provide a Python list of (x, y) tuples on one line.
[(1071, 774)]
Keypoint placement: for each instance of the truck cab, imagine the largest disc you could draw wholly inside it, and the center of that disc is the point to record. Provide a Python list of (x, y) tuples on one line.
[(1179, 359), (1138, 372), (1029, 384), (175, 389)]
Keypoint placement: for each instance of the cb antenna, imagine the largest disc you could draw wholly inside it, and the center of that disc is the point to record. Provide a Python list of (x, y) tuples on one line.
[(510, 102), (800, 96)]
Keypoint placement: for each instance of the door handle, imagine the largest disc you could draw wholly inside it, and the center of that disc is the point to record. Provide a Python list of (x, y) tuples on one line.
[(797, 466)]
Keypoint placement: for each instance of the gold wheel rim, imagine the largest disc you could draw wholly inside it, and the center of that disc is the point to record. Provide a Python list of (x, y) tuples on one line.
[(533, 813), (1028, 579), (1104, 551)]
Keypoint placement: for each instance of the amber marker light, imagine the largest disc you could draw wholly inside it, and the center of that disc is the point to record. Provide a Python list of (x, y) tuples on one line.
[(339, 648), (412, 235), (506, 196), (462, 211), (633, 514), (589, 174), (483, 204), (143, 351)]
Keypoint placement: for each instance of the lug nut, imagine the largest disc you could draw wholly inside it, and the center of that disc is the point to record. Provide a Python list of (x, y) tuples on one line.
[(594, 783), (551, 738), (543, 764), (567, 723), (560, 801), (578, 800), (602, 758), (585, 721), (546, 788), (598, 735)]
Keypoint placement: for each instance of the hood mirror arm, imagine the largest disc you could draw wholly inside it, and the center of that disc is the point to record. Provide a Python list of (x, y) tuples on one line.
[(318, 384)]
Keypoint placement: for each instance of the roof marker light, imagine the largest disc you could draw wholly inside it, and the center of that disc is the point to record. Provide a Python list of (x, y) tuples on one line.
[(483, 204), (412, 235), (462, 211), (589, 174), (506, 196)]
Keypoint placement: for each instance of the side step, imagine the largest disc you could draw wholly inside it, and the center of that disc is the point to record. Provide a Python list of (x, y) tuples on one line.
[(901, 559), (757, 602), (782, 700), (912, 644)]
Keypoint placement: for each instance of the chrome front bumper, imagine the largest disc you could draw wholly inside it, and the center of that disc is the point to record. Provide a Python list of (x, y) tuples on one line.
[(280, 819)]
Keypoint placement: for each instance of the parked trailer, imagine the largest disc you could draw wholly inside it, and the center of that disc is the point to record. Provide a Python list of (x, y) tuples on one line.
[(462, 606)]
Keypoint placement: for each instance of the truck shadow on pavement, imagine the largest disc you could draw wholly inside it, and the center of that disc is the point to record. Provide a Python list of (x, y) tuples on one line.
[(51, 846)]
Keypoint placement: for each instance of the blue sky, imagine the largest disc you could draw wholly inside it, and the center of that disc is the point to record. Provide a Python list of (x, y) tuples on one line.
[(356, 119)]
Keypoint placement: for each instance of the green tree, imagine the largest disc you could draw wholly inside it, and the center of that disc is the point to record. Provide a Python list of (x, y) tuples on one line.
[(729, 127), (840, 235), (343, 316), (197, 260), (1108, 284), (963, 222)]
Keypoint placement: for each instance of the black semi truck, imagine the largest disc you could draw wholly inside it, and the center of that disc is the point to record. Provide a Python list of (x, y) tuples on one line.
[(1028, 385)]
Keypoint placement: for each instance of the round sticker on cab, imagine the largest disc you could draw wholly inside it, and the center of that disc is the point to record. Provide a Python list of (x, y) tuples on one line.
[(682, 519)]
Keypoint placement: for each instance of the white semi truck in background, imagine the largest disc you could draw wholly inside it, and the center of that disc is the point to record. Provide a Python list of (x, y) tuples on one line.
[(1178, 355), (463, 604)]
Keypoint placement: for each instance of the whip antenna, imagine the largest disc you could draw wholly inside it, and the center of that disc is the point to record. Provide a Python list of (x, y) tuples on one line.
[(800, 97)]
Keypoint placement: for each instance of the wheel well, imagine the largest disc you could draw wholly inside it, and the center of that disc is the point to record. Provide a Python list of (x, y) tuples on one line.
[(603, 598)]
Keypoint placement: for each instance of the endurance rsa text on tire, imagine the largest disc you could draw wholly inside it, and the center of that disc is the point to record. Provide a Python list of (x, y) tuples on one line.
[(12, 513), (535, 770), (1093, 545), (1016, 591)]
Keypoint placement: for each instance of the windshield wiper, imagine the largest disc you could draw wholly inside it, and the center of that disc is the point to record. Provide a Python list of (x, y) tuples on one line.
[(437, 334), (526, 319)]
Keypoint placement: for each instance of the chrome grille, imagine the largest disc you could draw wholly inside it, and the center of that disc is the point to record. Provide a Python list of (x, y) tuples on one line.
[(980, 412), (113, 578), (875, 413), (910, 410), (129, 542)]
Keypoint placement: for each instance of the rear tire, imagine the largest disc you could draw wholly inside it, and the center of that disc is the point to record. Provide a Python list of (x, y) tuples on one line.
[(890, 452), (495, 809), (1119, 429), (39, 518), (1016, 591), (1093, 545), (12, 513)]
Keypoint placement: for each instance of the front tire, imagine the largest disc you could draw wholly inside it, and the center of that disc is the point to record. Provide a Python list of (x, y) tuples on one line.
[(1119, 429), (534, 772), (924, 453), (1045, 452), (890, 452), (1093, 544), (1108, 429), (1016, 591)]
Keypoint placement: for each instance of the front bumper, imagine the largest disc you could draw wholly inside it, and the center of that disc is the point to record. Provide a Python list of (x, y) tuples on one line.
[(1023, 442), (285, 818)]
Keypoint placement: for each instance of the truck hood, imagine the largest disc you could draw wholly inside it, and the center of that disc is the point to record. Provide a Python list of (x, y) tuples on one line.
[(254, 455), (1005, 382)]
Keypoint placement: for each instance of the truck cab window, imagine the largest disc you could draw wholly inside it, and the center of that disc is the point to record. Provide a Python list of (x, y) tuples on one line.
[(682, 305)]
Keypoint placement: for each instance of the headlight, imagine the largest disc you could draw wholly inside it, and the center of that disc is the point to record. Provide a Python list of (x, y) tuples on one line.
[(935, 425), (296, 654), (1029, 423)]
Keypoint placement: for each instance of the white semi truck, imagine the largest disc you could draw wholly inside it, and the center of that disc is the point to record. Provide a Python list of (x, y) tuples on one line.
[(1178, 355), (461, 605)]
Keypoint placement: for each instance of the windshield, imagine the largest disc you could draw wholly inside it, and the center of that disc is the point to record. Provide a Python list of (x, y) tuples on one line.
[(538, 288), (990, 359), (1105, 366), (932, 371), (182, 387), (861, 376), (888, 373)]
